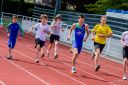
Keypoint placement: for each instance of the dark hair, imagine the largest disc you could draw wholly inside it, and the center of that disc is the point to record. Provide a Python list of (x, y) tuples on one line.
[(44, 16), (58, 16), (81, 16), (14, 16)]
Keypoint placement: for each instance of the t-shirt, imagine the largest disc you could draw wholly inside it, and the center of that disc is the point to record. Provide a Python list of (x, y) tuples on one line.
[(40, 28), (13, 29), (56, 30), (124, 37), (101, 30)]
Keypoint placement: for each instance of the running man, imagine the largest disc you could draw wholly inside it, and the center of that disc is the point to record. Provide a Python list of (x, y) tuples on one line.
[(80, 29), (42, 29), (56, 27), (13, 29), (124, 42), (102, 31)]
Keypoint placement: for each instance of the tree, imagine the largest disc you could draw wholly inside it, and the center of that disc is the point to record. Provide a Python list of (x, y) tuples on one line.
[(21, 2), (79, 4), (101, 6)]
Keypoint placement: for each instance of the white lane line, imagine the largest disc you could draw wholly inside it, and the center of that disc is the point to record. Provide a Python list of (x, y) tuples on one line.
[(81, 69), (48, 67), (92, 65), (2, 83), (26, 71)]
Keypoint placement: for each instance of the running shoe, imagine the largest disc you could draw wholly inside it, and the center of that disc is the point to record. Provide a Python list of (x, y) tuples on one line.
[(73, 70), (10, 57), (124, 77), (37, 61), (97, 67), (56, 56)]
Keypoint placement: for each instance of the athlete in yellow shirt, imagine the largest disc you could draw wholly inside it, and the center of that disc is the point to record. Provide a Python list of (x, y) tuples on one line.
[(100, 32)]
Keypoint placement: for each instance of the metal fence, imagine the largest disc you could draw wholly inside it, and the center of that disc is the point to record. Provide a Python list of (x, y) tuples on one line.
[(118, 25), (113, 47)]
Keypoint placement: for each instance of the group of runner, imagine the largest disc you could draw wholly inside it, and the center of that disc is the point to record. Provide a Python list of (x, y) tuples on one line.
[(99, 33)]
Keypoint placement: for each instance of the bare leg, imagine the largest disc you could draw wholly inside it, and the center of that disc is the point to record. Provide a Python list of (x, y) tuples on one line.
[(56, 50), (49, 48), (10, 54), (37, 52), (124, 68), (75, 56), (42, 52), (97, 53)]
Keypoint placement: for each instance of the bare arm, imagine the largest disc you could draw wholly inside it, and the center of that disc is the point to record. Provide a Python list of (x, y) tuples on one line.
[(70, 31), (34, 27), (93, 34), (31, 29), (122, 42), (53, 24), (87, 30), (122, 39), (109, 35)]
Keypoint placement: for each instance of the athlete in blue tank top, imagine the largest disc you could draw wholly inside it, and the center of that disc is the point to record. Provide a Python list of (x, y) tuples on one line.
[(13, 29), (80, 29), (79, 37)]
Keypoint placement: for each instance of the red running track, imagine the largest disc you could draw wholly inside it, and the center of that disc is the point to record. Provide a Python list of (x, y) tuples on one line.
[(22, 70)]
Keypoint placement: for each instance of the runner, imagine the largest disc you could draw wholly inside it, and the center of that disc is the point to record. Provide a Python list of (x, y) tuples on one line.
[(56, 28), (13, 29), (41, 30), (124, 42), (102, 31), (79, 32)]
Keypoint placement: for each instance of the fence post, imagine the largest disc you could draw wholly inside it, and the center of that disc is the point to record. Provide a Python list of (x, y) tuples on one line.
[(109, 42), (57, 7), (1, 19)]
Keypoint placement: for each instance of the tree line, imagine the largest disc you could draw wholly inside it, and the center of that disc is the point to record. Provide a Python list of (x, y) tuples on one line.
[(85, 6)]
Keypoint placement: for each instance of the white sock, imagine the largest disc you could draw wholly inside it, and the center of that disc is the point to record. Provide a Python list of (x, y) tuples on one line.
[(47, 51)]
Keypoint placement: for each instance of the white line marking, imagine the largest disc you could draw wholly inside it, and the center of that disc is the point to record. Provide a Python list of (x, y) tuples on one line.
[(70, 66), (92, 66), (90, 73), (49, 67), (83, 70), (87, 72), (26, 71), (2, 83)]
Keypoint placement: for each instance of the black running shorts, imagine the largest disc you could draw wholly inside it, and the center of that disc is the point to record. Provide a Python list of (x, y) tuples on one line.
[(54, 38), (100, 46), (125, 52)]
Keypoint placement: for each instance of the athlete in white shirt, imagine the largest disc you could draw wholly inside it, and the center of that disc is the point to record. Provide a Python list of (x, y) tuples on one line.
[(124, 42), (42, 29), (56, 28)]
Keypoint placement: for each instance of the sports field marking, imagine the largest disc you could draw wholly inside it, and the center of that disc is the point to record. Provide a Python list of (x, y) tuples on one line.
[(2, 83), (83, 70), (26, 71), (67, 65), (92, 66), (47, 67)]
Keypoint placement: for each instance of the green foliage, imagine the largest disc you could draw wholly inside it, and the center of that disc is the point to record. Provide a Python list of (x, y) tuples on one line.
[(101, 6)]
